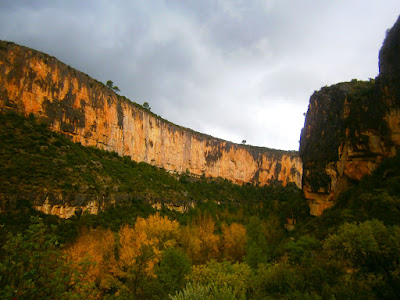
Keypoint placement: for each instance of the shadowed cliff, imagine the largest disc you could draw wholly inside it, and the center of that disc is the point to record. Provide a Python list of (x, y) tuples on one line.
[(350, 128)]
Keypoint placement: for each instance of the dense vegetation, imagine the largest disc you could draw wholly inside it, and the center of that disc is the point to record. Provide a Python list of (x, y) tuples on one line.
[(232, 244), (34, 159)]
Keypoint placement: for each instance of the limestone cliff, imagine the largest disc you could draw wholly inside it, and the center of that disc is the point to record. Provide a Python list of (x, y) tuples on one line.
[(92, 114), (350, 128)]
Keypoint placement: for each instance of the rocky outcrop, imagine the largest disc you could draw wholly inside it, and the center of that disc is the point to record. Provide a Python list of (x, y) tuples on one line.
[(350, 128), (90, 113), (67, 205)]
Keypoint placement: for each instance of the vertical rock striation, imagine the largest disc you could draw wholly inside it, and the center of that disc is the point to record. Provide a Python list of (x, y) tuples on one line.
[(90, 113)]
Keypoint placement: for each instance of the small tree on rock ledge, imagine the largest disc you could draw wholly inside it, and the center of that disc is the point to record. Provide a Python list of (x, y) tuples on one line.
[(146, 106), (110, 84)]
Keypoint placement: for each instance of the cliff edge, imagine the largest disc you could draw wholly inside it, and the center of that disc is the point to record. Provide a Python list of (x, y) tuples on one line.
[(88, 112)]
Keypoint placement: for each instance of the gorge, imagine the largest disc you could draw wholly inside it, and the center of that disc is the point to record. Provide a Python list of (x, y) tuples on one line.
[(350, 127)]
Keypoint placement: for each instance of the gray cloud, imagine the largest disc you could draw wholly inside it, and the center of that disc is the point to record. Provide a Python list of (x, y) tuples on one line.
[(233, 69)]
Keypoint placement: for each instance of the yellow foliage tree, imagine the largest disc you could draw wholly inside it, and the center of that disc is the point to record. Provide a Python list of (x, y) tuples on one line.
[(142, 245), (160, 229), (233, 241), (132, 243), (199, 240), (141, 248)]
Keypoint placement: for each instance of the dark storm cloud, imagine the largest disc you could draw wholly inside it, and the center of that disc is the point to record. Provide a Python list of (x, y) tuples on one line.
[(235, 69)]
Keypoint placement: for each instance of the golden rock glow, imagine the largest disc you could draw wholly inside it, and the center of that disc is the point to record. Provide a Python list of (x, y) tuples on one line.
[(90, 113)]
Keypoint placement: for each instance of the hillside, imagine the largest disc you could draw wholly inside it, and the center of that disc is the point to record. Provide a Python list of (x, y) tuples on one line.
[(237, 249), (59, 177)]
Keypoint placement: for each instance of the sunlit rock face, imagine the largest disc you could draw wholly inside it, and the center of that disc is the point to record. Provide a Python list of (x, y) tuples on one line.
[(90, 113), (350, 128)]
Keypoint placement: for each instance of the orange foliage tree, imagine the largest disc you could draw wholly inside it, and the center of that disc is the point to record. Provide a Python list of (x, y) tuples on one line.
[(93, 255)]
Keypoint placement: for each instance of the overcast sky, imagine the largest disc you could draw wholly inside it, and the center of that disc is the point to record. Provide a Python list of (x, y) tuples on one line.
[(234, 69)]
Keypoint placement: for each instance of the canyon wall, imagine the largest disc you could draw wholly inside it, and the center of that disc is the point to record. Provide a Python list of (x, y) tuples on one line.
[(90, 113), (350, 128)]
